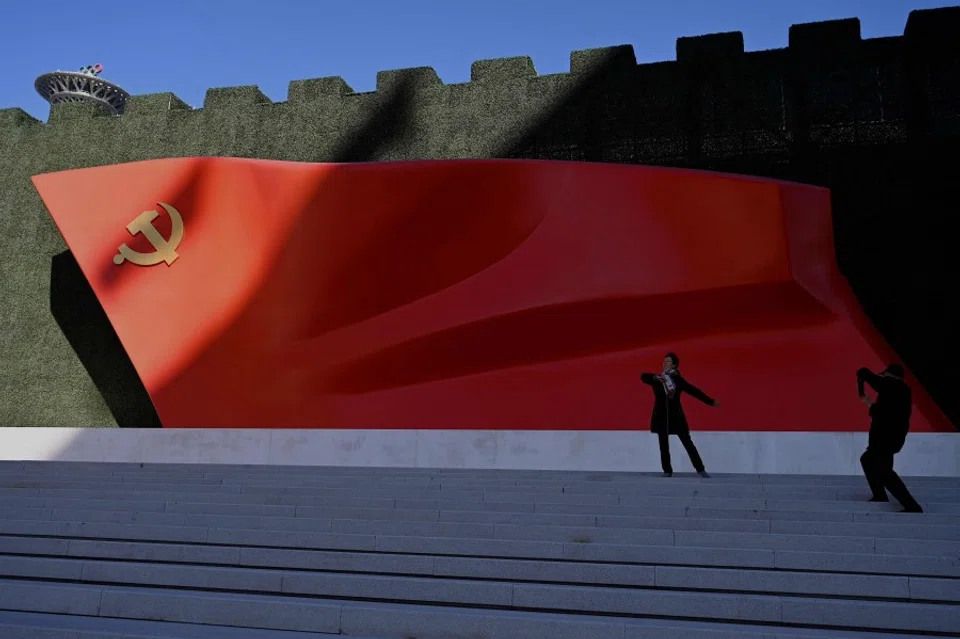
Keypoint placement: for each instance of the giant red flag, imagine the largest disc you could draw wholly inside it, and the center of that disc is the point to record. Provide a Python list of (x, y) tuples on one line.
[(469, 294)]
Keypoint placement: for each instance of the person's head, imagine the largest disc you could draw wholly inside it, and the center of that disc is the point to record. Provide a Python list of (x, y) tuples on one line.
[(894, 370), (670, 362)]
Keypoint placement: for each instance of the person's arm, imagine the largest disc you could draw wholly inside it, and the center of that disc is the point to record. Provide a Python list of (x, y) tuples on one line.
[(648, 378), (865, 375), (695, 392)]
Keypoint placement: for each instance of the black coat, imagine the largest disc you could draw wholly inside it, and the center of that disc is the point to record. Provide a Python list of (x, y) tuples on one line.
[(668, 414), (890, 413)]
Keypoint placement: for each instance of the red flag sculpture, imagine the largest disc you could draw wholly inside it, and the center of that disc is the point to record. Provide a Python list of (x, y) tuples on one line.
[(469, 294)]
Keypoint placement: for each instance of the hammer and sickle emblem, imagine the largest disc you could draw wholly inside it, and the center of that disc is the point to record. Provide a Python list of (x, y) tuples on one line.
[(166, 250)]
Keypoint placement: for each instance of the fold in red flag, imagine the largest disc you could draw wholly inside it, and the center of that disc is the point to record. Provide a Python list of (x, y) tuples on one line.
[(469, 294)]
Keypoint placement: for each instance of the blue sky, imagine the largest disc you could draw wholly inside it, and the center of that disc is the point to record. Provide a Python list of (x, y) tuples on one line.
[(188, 46)]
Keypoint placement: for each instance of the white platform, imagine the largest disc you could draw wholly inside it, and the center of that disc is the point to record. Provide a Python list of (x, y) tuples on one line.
[(930, 455)]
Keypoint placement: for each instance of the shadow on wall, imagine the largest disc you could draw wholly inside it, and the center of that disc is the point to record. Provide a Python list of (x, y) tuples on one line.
[(84, 323), (898, 271)]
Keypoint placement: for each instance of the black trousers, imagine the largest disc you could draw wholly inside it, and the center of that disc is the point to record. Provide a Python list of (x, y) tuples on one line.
[(878, 469), (684, 437)]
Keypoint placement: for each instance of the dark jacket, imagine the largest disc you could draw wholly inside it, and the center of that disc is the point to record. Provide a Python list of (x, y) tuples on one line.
[(890, 413), (668, 414)]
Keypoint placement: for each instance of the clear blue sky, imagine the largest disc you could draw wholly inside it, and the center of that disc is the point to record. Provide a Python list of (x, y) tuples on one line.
[(188, 46)]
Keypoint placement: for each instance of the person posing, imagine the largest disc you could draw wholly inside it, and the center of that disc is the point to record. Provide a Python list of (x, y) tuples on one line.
[(668, 418), (889, 423)]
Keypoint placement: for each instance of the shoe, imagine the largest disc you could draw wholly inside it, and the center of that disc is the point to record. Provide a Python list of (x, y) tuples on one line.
[(704, 474), (915, 509), (670, 474), (878, 499)]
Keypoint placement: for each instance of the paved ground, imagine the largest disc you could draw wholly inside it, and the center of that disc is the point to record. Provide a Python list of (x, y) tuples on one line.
[(123, 551)]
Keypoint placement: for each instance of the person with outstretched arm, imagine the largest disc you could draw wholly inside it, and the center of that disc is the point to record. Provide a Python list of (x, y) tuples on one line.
[(889, 423), (668, 418)]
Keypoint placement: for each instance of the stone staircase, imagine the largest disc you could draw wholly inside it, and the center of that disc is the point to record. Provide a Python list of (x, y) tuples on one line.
[(255, 552)]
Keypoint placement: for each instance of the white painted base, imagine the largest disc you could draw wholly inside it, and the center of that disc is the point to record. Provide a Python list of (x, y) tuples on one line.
[(932, 455)]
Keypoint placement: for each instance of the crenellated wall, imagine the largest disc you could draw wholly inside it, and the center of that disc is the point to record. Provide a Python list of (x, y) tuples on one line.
[(875, 120)]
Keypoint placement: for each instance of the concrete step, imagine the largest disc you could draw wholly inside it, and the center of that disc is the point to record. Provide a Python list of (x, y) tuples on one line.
[(279, 571), (435, 549), (388, 619), (25, 625), (407, 552), (573, 493), (348, 477), (188, 470), (638, 483), (552, 503), (339, 508), (346, 519), (398, 536), (946, 501)]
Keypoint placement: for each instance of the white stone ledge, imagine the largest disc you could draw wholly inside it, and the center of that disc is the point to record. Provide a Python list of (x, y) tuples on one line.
[(932, 455)]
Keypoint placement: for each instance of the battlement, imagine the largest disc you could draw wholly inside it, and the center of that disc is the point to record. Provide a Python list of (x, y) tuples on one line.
[(815, 49)]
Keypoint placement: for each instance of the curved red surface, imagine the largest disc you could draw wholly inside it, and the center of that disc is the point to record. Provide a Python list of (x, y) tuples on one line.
[(473, 294)]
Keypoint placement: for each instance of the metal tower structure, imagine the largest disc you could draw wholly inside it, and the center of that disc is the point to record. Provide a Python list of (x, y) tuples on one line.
[(84, 85)]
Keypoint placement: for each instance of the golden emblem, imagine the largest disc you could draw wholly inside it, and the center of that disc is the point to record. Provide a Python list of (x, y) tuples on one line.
[(166, 250)]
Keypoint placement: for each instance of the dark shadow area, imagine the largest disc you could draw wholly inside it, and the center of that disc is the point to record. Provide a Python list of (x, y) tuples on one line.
[(389, 123), (893, 240), (875, 121), (84, 323)]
